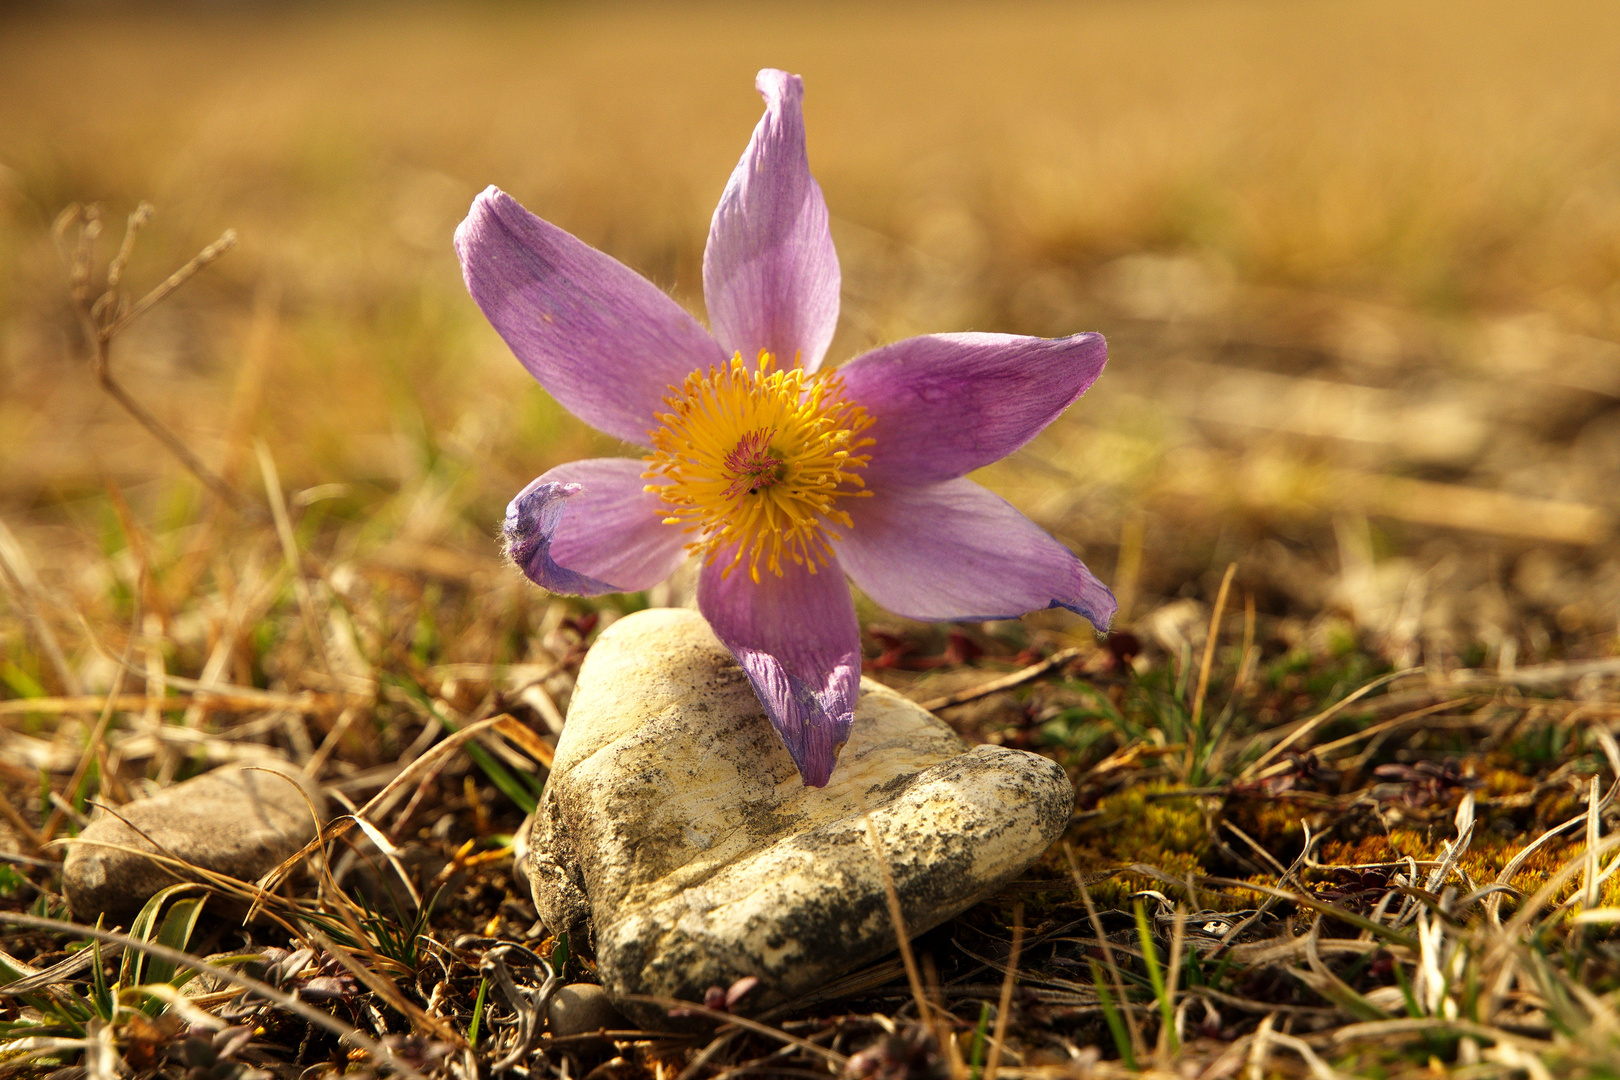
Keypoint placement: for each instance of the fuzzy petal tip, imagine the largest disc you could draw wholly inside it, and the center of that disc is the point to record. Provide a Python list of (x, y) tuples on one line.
[(796, 638), (531, 522)]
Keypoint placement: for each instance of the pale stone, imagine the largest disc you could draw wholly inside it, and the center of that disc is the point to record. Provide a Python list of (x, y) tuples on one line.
[(236, 820), (579, 1008), (675, 819)]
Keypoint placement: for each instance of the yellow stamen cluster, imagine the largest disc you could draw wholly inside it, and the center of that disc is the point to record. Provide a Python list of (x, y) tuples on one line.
[(756, 457)]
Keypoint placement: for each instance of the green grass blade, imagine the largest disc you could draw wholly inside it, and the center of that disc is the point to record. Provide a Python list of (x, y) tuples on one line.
[(175, 933), (1150, 956), (1116, 1024), (130, 971), (102, 1002), (478, 1012), (525, 799)]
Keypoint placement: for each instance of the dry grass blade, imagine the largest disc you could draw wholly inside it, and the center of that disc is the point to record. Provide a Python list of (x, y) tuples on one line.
[(1006, 682), (338, 826), (925, 1014), (1118, 980), (422, 1021), (1004, 1007), (1310, 725), (94, 749), (1377, 1030), (19, 581), (25, 830), (192, 963), (1209, 649), (1327, 749), (755, 1026), (289, 551), (1320, 1069), (1594, 835), (38, 980)]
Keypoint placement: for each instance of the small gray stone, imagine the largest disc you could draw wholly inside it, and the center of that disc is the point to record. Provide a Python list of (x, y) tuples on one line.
[(675, 820), (581, 1007), (239, 820)]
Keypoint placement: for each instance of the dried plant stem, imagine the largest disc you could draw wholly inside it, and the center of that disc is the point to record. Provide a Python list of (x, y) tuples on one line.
[(19, 582), (1129, 1014), (192, 963), (340, 826), (1006, 682), (1128, 568), (207, 255), (1209, 644), (755, 1026), (132, 227), (95, 749), (1210, 640), (1247, 660), (1321, 718), (1004, 1006), (289, 550), (29, 835), (172, 442), (105, 317), (925, 1015)]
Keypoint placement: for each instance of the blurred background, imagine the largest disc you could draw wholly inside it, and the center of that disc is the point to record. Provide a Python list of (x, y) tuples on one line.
[(1358, 263)]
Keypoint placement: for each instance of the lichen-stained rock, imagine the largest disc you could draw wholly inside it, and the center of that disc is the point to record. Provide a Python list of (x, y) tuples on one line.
[(235, 820), (675, 819)]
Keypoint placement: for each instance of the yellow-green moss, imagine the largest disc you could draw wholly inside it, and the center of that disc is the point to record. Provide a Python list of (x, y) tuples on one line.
[(1130, 827)]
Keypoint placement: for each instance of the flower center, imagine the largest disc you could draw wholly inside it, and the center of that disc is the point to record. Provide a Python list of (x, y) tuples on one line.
[(756, 458)]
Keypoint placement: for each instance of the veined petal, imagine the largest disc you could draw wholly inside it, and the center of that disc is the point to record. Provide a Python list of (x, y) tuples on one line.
[(956, 551), (603, 340), (946, 404), (796, 638), (770, 274), (588, 527)]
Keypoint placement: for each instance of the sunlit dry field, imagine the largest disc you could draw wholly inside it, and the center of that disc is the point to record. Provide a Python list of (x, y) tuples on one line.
[(1358, 264)]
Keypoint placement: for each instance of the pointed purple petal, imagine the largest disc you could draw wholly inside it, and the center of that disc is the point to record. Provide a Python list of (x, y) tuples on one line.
[(955, 551), (947, 404), (588, 527), (603, 340), (770, 274), (796, 638)]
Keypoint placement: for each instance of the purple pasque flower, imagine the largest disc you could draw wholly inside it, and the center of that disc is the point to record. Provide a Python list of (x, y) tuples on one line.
[(780, 476)]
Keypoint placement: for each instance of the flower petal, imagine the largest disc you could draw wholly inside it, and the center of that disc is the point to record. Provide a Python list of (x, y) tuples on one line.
[(770, 274), (588, 527), (603, 340), (956, 551), (946, 404), (796, 638)]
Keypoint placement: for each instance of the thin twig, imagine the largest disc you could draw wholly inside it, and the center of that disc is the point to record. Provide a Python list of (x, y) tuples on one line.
[(107, 316), (207, 255), (1006, 682)]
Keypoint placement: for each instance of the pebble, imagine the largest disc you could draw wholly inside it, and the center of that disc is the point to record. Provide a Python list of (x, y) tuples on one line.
[(676, 822), (235, 820), (579, 1008)]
